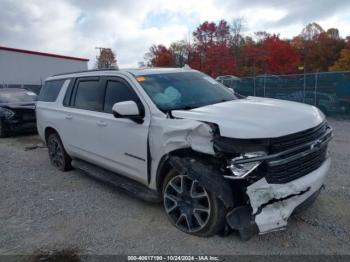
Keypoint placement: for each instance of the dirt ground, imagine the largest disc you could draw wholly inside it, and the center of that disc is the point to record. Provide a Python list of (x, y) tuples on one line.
[(44, 209)]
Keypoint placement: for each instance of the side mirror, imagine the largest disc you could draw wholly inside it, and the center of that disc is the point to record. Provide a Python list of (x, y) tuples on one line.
[(128, 109), (231, 89)]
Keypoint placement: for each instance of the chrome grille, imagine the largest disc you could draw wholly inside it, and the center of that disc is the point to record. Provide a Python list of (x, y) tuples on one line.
[(289, 141), (292, 165)]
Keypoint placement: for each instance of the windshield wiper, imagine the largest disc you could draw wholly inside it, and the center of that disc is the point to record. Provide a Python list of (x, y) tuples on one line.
[(167, 110)]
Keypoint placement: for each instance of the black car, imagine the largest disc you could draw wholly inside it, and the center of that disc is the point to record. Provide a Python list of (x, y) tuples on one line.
[(17, 111)]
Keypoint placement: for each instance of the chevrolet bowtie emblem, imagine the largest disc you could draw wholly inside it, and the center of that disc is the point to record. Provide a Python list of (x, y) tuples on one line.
[(315, 144)]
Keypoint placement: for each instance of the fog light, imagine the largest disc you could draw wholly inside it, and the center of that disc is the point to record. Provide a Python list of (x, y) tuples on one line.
[(241, 170)]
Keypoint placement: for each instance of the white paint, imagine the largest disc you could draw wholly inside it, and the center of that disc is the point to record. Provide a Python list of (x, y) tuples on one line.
[(166, 135), (126, 108), (105, 144), (256, 117), (275, 216)]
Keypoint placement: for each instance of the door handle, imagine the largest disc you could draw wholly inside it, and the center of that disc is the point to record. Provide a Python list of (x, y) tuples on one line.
[(101, 123), (69, 116)]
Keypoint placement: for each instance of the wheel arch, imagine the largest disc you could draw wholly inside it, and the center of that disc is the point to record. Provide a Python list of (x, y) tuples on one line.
[(165, 166), (48, 131)]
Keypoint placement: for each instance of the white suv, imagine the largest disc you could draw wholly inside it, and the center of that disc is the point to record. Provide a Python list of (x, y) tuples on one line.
[(217, 161)]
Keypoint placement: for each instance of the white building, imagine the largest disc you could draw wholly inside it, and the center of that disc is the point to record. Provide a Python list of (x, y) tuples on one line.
[(24, 68)]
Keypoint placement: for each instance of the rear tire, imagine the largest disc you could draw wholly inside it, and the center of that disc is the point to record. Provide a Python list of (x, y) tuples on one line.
[(58, 155), (196, 210)]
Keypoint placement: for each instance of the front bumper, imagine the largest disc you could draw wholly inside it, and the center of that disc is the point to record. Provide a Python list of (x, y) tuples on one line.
[(18, 126), (272, 204)]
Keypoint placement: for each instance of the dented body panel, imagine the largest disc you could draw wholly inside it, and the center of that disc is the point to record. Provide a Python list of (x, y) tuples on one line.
[(273, 204), (167, 135)]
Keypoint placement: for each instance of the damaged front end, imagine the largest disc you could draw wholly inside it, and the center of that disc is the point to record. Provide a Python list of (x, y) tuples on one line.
[(280, 175), (261, 182)]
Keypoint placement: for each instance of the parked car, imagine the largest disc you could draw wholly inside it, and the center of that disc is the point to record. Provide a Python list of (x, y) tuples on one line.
[(180, 137), (229, 80), (17, 111)]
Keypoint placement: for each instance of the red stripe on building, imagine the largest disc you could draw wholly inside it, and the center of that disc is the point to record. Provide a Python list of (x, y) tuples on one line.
[(42, 54)]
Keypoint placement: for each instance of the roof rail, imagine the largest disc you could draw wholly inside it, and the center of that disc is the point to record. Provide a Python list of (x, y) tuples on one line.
[(85, 71)]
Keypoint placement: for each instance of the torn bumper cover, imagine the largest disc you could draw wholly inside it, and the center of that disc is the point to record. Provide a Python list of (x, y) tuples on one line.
[(272, 204)]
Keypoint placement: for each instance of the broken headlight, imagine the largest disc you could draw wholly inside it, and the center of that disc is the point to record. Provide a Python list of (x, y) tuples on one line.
[(240, 169)]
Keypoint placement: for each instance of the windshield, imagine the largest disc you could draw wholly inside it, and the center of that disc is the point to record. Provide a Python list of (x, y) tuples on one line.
[(17, 97), (185, 90)]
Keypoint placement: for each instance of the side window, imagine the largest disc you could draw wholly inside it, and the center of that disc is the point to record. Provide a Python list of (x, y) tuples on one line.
[(89, 95), (50, 90), (117, 91)]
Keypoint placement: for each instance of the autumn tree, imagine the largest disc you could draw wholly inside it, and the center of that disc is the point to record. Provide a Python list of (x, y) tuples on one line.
[(253, 57), (205, 34), (106, 59), (280, 57), (159, 56), (211, 42), (220, 48), (343, 63), (222, 33), (322, 52), (219, 61)]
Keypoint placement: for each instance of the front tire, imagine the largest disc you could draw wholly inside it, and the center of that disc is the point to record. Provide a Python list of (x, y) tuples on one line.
[(190, 207), (58, 155)]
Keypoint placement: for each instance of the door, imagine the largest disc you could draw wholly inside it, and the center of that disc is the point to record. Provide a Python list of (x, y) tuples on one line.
[(81, 116), (117, 144), (123, 142)]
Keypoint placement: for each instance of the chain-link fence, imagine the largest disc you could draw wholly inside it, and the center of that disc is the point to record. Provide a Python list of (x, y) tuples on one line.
[(329, 91), (35, 87)]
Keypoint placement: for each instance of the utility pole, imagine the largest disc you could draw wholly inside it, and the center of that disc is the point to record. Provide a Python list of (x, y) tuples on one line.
[(100, 50)]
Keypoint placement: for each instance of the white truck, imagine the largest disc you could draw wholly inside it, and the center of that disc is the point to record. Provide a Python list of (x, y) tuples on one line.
[(217, 161)]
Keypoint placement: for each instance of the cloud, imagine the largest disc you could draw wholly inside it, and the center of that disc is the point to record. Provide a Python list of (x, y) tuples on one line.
[(76, 27)]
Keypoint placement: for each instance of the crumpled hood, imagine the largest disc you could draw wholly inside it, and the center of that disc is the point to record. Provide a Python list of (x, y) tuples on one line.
[(255, 117)]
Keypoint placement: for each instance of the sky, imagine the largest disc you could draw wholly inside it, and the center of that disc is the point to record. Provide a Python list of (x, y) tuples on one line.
[(77, 27)]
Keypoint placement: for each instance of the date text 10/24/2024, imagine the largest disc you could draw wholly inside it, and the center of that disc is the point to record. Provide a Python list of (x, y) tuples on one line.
[(173, 258)]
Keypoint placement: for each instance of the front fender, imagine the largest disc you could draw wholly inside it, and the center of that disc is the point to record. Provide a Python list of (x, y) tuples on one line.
[(207, 176)]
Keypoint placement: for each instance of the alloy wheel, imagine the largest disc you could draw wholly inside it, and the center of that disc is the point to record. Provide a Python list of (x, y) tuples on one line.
[(56, 152), (187, 204)]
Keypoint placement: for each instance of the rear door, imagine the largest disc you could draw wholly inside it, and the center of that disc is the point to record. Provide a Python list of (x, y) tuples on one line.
[(81, 117)]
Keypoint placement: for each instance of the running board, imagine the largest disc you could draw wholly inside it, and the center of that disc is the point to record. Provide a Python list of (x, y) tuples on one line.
[(129, 186)]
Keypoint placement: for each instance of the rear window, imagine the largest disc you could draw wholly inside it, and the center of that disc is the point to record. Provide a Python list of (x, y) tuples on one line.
[(50, 90), (89, 95)]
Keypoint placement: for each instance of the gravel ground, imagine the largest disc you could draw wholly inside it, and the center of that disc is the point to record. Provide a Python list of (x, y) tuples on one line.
[(42, 208)]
